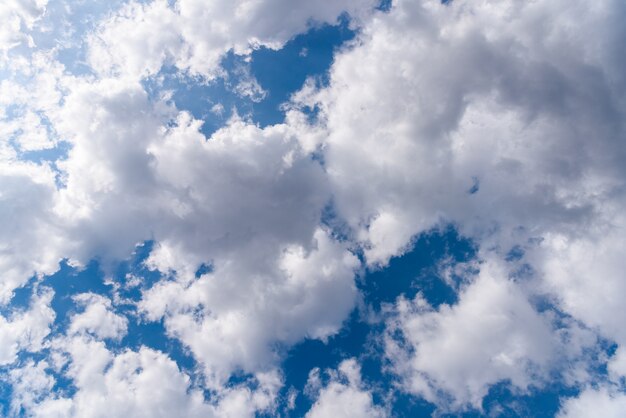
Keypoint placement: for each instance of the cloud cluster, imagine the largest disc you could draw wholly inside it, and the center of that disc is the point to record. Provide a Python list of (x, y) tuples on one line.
[(436, 100), (134, 383), (143, 383), (247, 202), (194, 36), (503, 118)]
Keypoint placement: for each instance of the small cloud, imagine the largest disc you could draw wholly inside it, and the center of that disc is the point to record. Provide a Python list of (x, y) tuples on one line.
[(217, 109)]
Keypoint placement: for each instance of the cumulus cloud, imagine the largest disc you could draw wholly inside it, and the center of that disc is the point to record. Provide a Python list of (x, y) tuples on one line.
[(143, 383), (595, 402), (434, 97), (247, 201), (30, 383), (97, 318), (502, 118), (194, 35), (483, 115), (307, 293), (26, 192), (344, 395), (28, 329), (453, 354)]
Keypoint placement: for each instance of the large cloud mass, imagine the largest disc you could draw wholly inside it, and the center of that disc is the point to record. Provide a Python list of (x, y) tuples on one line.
[(503, 118)]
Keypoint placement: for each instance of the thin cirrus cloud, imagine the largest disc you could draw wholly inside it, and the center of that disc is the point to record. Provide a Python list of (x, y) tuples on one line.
[(501, 120)]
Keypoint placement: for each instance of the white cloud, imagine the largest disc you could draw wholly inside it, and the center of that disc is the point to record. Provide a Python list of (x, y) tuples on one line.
[(33, 242), (97, 318), (433, 96), (26, 330), (232, 317), (143, 383), (344, 395), (195, 35), (601, 402), (18, 17), (524, 100), (586, 275), (26, 190), (30, 384), (247, 200), (453, 354)]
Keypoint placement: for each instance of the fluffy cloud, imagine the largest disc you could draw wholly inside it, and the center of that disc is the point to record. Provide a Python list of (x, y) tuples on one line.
[(586, 274), (595, 402), (26, 330), (33, 242), (246, 201), (308, 293), (194, 35), (31, 383), (97, 318), (504, 118), (435, 99), (26, 191), (485, 115), (344, 395), (18, 17), (143, 383), (452, 355)]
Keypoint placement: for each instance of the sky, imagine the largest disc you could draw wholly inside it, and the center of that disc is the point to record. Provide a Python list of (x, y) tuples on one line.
[(286, 208)]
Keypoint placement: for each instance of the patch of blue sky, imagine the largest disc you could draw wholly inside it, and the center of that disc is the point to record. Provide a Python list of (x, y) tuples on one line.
[(279, 74), (540, 402), (385, 5), (50, 155), (284, 71), (418, 270), (475, 186)]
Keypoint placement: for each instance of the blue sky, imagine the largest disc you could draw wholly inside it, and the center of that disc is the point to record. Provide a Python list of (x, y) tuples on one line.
[(287, 209)]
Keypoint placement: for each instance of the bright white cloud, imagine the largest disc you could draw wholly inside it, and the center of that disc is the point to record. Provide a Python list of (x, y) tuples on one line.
[(232, 317), (26, 190), (434, 96), (97, 318), (435, 100), (26, 330), (18, 17), (601, 402), (143, 383), (195, 35), (344, 395), (31, 383), (247, 201), (453, 354), (521, 101)]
